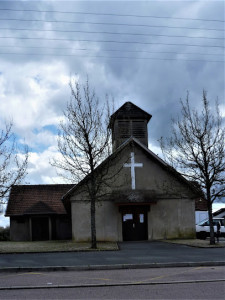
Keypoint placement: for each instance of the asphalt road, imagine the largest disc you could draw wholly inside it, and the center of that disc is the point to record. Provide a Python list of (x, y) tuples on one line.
[(130, 253), (154, 283)]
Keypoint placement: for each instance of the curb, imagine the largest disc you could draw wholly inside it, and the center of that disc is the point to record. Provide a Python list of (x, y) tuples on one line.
[(112, 267), (63, 286), (59, 251)]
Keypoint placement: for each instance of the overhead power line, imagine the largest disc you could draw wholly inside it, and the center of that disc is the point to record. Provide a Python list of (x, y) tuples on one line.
[(111, 14), (110, 24), (114, 57), (111, 41), (112, 33), (110, 50)]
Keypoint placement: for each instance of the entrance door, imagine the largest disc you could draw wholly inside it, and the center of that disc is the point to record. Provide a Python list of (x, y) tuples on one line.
[(40, 229), (135, 225)]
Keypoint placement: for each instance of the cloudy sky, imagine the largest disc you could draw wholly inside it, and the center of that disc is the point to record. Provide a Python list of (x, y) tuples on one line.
[(146, 52)]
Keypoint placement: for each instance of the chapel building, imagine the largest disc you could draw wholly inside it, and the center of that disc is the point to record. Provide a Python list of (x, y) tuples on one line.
[(141, 198), (145, 200)]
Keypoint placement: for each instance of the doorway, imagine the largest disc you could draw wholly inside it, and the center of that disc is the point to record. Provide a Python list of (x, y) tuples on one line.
[(40, 229), (135, 225)]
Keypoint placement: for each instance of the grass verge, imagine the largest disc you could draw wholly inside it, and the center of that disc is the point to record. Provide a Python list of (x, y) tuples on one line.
[(53, 246), (197, 243)]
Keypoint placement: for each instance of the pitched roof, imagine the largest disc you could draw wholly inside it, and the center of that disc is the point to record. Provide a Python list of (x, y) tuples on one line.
[(221, 210), (129, 111), (37, 199), (161, 162)]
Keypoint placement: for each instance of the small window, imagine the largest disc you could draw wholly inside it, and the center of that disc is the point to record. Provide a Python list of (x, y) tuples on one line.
[(141, 218), (127, 217)]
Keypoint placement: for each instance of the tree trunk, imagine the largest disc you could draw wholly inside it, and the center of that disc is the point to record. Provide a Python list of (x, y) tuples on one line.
[(93, 226), (209, 204), (93, 202)]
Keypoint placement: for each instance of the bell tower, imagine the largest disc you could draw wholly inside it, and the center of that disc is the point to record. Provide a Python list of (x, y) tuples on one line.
[(129, 120)]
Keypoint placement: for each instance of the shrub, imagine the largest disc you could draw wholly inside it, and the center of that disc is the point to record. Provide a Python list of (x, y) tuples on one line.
[(4, 234)]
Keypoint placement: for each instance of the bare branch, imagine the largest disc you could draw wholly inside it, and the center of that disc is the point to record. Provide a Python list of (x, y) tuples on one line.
[(12, 166), (196, 148), (84, 141)]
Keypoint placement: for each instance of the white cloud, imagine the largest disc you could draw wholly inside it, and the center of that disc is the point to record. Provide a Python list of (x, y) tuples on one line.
[(217, 206), (4, 221), (44, 138), (222, 110), (29, 94), (39, 168), (156, 149)]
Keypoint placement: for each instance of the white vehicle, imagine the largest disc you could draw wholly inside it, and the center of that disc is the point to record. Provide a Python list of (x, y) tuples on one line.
[(203, 229)]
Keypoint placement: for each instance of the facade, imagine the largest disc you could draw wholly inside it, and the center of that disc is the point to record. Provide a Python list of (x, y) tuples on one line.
[(144, 198)]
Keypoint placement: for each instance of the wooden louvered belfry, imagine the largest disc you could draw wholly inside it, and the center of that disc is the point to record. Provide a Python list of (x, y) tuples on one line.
[(129, 121)]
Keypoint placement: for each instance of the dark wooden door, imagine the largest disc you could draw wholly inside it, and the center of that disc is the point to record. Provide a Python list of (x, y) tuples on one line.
[(40, 229), (135, 225)]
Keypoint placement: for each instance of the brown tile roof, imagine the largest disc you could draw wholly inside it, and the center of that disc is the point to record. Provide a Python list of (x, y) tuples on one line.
[(37, 199), (201, 204)]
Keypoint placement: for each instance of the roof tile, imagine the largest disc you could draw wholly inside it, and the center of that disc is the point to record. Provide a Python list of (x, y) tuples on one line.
[(37, 199)]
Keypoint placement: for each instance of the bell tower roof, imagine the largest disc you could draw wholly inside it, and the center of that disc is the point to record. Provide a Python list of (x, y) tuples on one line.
[(129, 120), (129, 111)]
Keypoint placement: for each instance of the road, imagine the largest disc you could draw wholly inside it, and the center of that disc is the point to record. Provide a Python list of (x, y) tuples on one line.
[(130, 253), (153, 283)]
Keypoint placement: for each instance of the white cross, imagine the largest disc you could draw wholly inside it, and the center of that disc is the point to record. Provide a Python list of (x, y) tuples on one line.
[(132, 165)]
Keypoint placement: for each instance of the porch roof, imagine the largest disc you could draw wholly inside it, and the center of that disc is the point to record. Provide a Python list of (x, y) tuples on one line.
[(37, 199), (133, 197)]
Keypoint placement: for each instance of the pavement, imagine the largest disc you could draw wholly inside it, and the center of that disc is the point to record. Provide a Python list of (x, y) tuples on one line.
[(131, 255)]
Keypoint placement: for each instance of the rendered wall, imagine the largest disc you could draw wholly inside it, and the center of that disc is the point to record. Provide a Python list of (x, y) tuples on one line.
[(167, 219), (171, 218), (108, 222)]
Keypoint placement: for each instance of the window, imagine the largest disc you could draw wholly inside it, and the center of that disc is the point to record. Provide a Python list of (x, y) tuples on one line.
[(141, 218), (127, 217)]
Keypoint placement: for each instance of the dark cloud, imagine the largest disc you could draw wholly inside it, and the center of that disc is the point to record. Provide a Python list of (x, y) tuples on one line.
[(147, 79), (34, 88)]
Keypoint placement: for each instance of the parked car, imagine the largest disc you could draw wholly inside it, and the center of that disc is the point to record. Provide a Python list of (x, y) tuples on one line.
[(203, 229)]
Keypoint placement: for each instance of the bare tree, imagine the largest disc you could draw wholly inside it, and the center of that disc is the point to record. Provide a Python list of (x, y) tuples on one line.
[(84, 142), (196, 148), (12, 166)]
